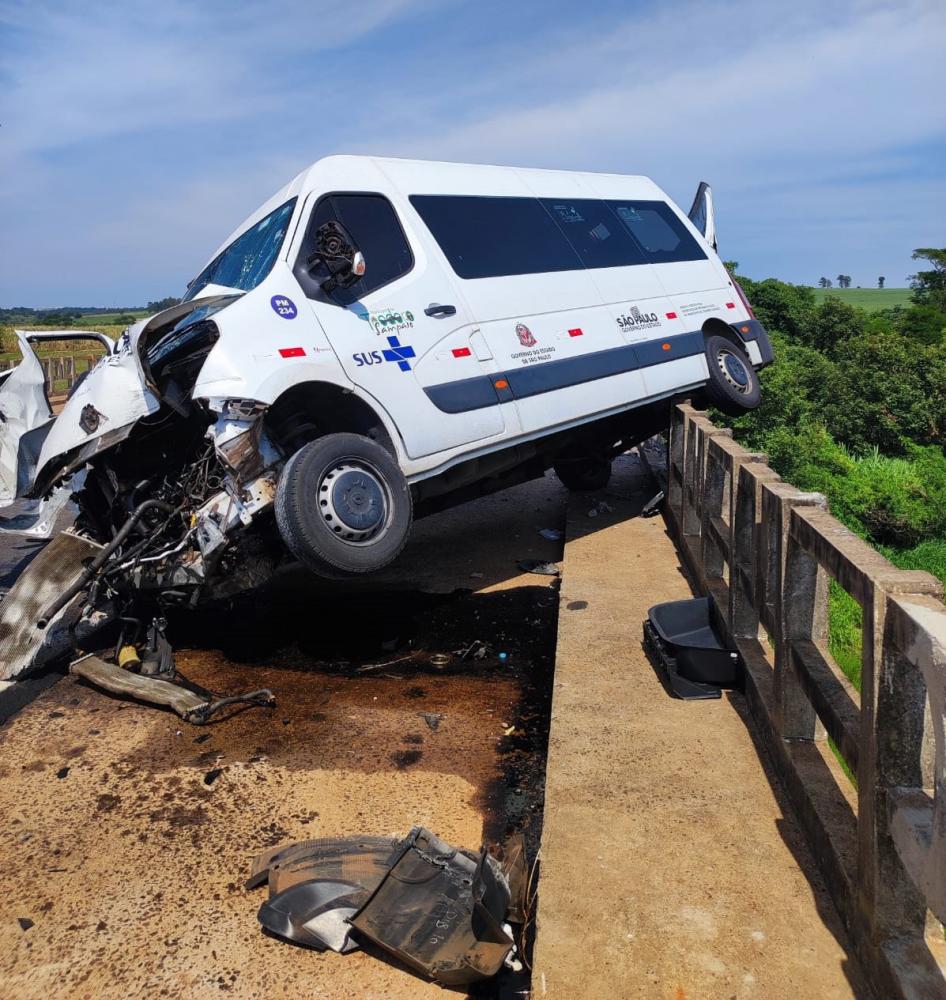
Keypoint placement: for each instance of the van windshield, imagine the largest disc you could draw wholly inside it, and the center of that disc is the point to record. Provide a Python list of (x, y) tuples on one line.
[(250, 257)]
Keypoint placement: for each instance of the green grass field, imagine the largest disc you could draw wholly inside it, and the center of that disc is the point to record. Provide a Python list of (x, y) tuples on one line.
[(870, 299), (95, 320)]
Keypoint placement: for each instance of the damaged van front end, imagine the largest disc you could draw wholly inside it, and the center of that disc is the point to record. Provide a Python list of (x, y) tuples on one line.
[(166, 486)]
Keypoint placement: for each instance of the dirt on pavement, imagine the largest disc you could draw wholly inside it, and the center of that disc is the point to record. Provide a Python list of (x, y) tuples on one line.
[(127, 834)]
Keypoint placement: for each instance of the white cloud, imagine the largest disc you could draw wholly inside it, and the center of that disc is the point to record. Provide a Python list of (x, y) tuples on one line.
[(141, 132)]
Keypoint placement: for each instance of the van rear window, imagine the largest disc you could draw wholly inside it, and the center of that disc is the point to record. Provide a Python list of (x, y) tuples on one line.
[(658, 230), (491, 237)]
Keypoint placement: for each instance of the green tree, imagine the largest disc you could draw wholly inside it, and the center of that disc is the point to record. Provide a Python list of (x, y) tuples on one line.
[(924, 324), (929, 287), (834, 322), (780, 306), (886, 394), (159, 305)]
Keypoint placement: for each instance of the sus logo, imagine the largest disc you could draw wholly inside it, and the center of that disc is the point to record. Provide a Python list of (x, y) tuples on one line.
[(525, 335)]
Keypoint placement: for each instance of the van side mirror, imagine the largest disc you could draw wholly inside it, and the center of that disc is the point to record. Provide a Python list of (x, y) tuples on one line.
[(335, 251)]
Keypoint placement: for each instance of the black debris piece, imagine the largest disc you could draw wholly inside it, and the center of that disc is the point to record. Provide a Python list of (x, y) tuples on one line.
[(440, 910), (62, 772), (652, 507), (692, 660), (25, 923), (433, 719), (316, 885), (538, 567), (211, 776)]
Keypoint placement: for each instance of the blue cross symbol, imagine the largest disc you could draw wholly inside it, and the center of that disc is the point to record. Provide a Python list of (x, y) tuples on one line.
[(399, 353)]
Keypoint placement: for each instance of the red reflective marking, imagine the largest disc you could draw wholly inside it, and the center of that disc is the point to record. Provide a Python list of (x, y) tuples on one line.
[(461, 352), (292, 352), (730, 305), (671, 315), (577, 332)]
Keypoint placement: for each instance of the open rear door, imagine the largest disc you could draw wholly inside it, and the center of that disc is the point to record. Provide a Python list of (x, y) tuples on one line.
[(702, 215)]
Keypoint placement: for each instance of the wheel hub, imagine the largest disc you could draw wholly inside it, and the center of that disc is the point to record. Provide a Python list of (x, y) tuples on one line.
[(353, 502), (734, 371)]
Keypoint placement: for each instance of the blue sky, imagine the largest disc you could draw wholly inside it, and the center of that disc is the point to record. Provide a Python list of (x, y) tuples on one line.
[(135, 135)]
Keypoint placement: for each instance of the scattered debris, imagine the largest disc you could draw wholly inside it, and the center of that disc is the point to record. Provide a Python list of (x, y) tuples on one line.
[(552, 534), (477, 650), (368, 667), (62, 772), (211, 776), (25, 923), (477, 576), (316, 885), (440, 661), (538, 566), (601, 507), (433, 719), (576, 605), (191, 702), (396, 893), (652, 507), (692, 660)]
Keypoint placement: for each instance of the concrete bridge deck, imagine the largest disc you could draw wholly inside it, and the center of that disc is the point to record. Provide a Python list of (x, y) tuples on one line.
[(672, 866)]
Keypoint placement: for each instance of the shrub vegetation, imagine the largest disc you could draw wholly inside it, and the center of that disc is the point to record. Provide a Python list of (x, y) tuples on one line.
[(855, 408)]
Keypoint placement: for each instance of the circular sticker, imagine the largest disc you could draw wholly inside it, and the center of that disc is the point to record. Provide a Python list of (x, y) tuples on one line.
[(283, 306)]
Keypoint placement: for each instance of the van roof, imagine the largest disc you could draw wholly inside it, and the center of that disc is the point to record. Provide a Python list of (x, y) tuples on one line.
[(354, 172)]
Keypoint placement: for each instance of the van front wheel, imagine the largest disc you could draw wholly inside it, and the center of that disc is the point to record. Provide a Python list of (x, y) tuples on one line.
[(733, 385), (343, 506)]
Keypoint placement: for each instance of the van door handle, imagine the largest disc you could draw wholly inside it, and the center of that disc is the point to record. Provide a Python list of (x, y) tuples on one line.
[(435, 309)]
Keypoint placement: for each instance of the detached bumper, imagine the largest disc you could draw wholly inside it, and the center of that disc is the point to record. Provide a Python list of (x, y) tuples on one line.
[(752, 329)]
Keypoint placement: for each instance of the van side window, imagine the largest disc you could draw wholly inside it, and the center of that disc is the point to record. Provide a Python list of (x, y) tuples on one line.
[(596, 236), (485, 237), (662, 236), (374, 226)]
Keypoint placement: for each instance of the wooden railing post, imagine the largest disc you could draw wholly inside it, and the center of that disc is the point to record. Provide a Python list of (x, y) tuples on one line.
[(744, 579), (675, 461), (804, 616), (883, 856), (897, 753)]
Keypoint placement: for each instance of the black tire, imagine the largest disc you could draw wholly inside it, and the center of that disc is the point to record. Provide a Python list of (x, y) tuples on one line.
[(581, 475), (343, 506), (733, 385)]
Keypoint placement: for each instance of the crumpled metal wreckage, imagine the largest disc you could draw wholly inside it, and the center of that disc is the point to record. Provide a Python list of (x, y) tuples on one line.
[(442, 911), (51, 594)]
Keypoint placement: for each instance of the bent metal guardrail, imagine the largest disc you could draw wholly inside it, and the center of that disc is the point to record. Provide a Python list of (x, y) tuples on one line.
[(765, 552)]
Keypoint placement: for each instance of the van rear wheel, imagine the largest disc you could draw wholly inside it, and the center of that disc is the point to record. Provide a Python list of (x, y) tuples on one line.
[(343, 506), (733, 385), (581, 475)]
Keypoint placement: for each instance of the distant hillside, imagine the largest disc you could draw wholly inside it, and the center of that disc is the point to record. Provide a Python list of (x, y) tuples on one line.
[(870, 299)]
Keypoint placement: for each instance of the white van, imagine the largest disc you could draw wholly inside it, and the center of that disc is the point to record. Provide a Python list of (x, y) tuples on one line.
[(379, 340)]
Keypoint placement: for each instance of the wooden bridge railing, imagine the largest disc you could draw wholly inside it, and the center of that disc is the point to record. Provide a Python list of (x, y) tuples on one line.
[(765, 552)]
